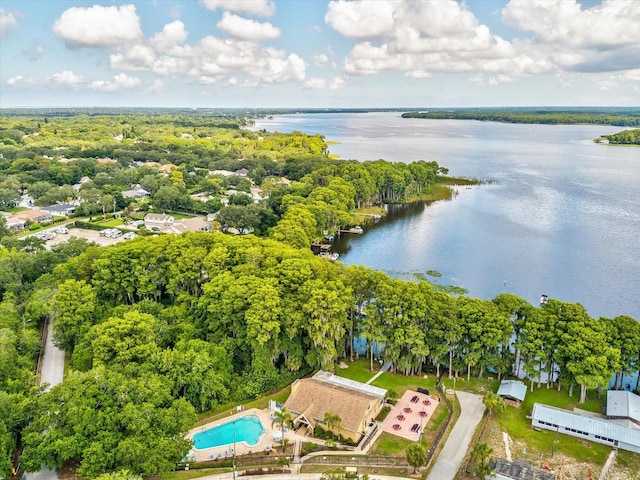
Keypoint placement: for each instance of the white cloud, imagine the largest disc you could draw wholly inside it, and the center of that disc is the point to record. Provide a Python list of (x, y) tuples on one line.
[(171, 38), (119, 82), (262, 8), (64, 78), (337, 83), (612, 23), (98, 26), (246, 29), (215, 59), (34, 52), (361, 19), (19, 81), (157, 87), (315, 83), (134, 57), (320, 60), (8, 22)]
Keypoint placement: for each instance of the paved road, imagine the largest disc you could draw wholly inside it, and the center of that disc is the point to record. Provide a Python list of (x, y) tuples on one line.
[(451, 456), (52, 363), (52, 373)]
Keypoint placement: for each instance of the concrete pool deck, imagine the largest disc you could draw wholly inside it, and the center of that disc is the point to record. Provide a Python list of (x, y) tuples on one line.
[(226, 451)]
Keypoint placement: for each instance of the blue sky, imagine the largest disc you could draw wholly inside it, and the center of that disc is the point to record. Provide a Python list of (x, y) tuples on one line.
[(319, 53)]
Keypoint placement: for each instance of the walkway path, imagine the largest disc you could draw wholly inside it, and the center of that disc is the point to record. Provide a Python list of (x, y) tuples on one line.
[(450, 458), (52, 373), (384, 368)]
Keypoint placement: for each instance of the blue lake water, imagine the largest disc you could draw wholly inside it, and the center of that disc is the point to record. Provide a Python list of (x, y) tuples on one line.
[(562, 218), (247, 429)]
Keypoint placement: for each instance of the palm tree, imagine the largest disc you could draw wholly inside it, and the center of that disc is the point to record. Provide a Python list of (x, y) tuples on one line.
[(332, 420), (282, 417), (493, 401)]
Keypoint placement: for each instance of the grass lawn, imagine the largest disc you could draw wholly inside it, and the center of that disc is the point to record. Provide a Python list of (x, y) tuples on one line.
[(186, 474), (180, 216), (401, 383), (358, 370), (15, 209), (390, 445), (541, 444), (109, 223)]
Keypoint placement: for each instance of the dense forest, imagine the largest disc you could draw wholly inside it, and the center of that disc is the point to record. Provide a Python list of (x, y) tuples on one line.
[(626, 137), (160, 329), (620, 117)]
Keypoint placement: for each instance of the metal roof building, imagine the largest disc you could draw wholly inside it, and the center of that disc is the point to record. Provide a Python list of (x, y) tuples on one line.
[(623, 405), (513, 390), (590, 428)]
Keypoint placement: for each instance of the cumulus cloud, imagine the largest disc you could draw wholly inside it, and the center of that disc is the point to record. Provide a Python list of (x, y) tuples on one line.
[(34, 52), (315, 83), (135, 57), (262, 8), (602, 38), (119, 82), (8, 22), (612, 23), (158, 86), (417, 37), (246, 29), (171, 38), (66, 78), (361, 19), (215, 59), (20, 81), (320, 60), (98, 26), (423, 38), (337, 83)]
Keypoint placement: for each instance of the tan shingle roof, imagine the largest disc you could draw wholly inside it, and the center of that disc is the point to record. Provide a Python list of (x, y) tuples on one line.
[(315, 398)]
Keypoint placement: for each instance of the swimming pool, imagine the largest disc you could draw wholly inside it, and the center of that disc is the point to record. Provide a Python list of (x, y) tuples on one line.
[(248, 429)]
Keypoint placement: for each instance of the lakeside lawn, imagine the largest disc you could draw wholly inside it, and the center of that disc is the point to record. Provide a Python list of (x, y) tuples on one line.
[(541, 443)]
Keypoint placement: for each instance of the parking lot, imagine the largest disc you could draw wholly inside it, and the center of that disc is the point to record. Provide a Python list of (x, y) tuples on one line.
[(91, 235)]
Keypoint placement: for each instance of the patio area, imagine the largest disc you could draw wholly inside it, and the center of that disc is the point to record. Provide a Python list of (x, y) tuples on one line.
[(410, 415), (267, 441)]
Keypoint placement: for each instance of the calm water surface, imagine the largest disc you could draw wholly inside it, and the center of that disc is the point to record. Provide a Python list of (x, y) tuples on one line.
[(563, 217)]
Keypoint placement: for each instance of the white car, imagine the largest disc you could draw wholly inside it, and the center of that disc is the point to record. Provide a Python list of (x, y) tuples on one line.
[(63, 230), (129, 235)]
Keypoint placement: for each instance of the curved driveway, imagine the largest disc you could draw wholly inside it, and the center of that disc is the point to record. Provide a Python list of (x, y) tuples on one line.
[(450, 458)]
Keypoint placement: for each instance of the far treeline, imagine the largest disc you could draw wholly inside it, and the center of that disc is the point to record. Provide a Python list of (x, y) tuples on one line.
[(161, 329), (627, 117)]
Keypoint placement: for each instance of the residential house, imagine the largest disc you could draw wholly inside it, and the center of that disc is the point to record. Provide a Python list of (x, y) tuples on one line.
[(158, 219), (35, 216), (356, 404), (243, 172), (136, 192), (513, 392), (60, 209), (587, 427)]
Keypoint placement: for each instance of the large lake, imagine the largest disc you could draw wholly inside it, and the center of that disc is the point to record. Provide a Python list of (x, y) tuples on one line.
[(562, 218)]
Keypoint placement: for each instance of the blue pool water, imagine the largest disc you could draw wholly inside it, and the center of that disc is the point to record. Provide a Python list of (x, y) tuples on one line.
[(248, 430)]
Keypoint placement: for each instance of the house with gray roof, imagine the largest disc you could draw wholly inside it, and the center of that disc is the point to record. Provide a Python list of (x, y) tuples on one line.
[(599, 430), (623, 405), (512, 391)]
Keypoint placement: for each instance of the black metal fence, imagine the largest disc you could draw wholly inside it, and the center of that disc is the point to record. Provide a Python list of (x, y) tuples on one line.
[(361, 460)]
